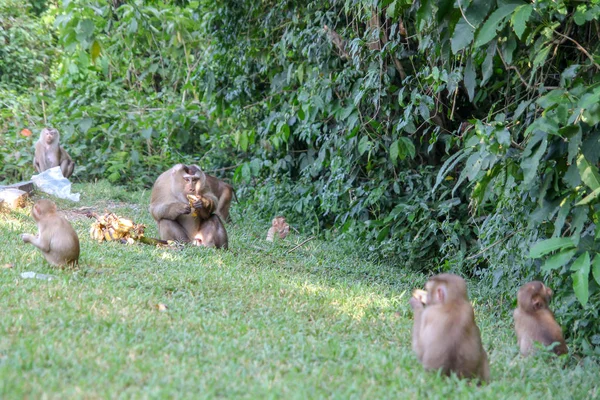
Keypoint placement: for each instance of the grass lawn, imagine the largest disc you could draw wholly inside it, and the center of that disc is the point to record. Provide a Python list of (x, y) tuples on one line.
[(253, 322)]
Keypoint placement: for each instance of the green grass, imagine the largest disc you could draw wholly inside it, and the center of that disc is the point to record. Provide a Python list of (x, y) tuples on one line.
[(252, 322)]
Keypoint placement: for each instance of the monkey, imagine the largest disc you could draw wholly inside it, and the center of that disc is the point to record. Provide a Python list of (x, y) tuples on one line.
[(534, 322), (56, 237), (221, 191), (186, 219), (49, 153), (278, 226), (445, 335)]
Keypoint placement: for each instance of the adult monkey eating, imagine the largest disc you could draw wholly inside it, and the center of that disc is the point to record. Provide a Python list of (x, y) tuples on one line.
[(49, 153), (178, 218), (445, 335), (222, 192)]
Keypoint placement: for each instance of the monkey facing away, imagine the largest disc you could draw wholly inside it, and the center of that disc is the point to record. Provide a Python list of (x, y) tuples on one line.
[(534, 322), (222, 192), (56, 237), (445, 335), (49, 153), (182, 212)]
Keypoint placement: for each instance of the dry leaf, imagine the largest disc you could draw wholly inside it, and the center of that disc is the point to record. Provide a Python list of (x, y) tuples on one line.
[(25, 132), (8, 266), (162, 307)]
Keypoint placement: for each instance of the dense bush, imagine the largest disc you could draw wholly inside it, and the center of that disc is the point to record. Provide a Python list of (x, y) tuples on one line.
[(459, 136)]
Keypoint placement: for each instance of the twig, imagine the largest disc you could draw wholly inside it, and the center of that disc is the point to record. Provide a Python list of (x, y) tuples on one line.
[(513, 68), (584, 51), (307, 240), (43, 104), (491, 245)]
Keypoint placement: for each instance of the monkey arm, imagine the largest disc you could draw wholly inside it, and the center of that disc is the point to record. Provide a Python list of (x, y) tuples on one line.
[(169, 211), (37, 241), (418, 309)]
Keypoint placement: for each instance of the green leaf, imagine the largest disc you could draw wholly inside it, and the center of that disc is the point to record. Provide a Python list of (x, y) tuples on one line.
[(85, 30), (133, 26), (582, 263), (147, 133), (470, 78), (494, 23), (589, 198), (549, 245), (85, 124), (588, 172), (520, 17), (487, 68), (541, 56), (244, 141), (558, 260), (394, 152), (407, 147), (449, 164), (462, 36), (364, 145), (529, 164), (596, 268), (95, 52), (573, 146), (581, 266)]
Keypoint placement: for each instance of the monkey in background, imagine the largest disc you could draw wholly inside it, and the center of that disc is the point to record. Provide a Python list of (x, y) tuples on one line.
[(49, 153), (182, 212), (445, 335), (279, 226), (534, 322), (56, 238)]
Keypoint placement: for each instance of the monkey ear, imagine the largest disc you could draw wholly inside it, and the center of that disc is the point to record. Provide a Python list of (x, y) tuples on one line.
[(441, 294)]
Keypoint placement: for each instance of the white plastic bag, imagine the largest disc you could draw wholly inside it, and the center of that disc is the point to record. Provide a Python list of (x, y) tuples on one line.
[(53, 182)]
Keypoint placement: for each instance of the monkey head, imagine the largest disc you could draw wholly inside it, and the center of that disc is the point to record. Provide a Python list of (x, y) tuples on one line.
[(42, 208), (49, 135), (445, 288), (186, 179), (534, 296)]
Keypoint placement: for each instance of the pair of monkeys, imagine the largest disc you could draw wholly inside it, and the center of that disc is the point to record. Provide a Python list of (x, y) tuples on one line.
[(446, 337), (185, 202)]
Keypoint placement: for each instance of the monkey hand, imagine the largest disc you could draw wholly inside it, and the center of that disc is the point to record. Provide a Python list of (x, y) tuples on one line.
[(421, 295), (184, 208), (415, 303), (26, 237)]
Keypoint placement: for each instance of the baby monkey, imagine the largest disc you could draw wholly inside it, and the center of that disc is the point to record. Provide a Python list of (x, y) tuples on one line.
[(56, 237), (534, 322)]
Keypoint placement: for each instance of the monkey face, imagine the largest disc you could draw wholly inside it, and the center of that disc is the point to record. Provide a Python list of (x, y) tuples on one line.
[(49, 135), (189, 185)]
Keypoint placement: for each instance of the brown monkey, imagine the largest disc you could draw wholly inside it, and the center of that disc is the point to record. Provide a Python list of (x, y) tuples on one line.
[(56, 237), (222, 192), (49, 153), (183, 220), (278, 226), (445, 335), (534, 322)]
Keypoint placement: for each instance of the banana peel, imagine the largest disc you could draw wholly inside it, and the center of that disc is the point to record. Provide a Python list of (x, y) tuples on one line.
[(109, 227)]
